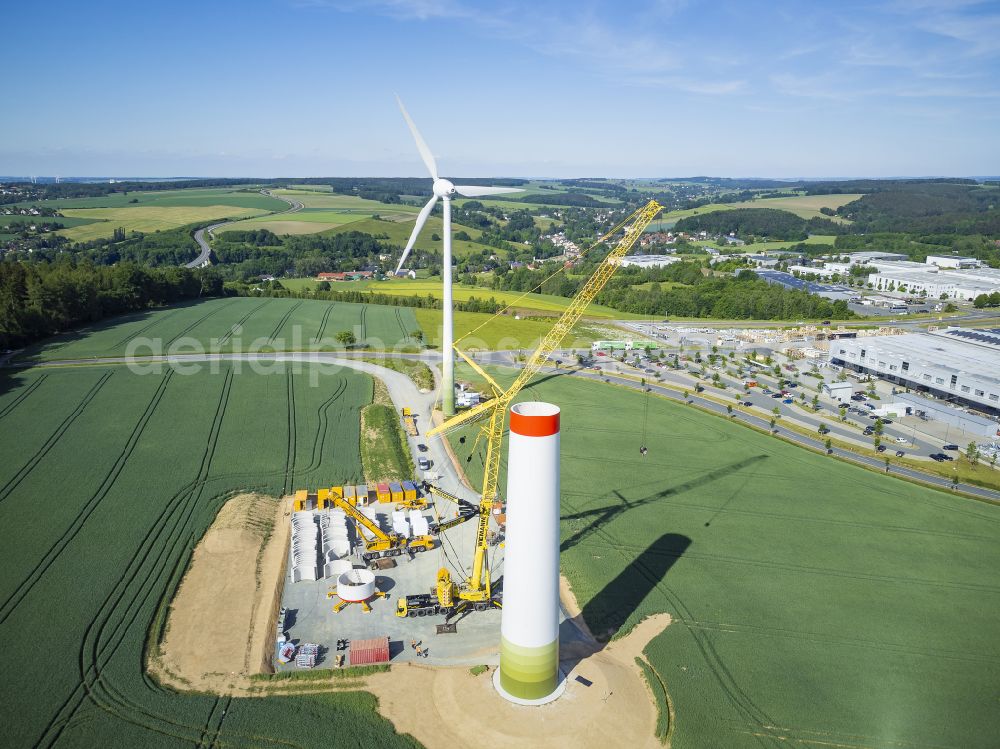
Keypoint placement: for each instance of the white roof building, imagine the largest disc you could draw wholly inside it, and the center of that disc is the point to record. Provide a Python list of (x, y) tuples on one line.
[(955, 364), (650, 261)]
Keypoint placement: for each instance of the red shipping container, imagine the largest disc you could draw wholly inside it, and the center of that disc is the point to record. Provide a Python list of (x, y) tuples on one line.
[(365, 652)]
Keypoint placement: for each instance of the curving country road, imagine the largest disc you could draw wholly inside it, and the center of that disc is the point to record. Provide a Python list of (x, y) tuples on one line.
[(403, 392), (206, 250)]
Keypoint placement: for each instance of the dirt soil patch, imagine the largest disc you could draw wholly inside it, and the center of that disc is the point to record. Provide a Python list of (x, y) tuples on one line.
[(221, 623), (447, 707)]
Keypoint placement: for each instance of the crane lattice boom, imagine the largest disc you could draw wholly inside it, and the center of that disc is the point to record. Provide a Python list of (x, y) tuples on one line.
[(477, 587)]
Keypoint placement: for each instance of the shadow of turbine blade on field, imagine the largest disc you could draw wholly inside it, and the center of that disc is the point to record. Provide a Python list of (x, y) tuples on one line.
[(601, 516), (608, 610)]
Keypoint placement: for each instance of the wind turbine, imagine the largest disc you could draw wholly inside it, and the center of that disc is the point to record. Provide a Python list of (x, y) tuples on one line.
[(443, 190)]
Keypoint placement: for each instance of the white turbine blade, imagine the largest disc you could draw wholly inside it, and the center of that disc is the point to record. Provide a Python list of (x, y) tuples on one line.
[(421, 220), (425, 152), (474, 191)]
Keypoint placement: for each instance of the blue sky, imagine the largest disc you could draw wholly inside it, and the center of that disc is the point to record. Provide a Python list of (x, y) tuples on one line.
[(642, 88)]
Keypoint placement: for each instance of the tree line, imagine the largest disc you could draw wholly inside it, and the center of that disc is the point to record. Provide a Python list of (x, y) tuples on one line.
[(42, 299), (748, 223)]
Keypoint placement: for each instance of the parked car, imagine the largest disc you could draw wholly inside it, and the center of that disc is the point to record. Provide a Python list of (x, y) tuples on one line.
[(899, 453), (938, 457), (870, 406), (949, 447), (788, 400), (901, 440), (944, 456), (422, 447), (747, 403), (423, 464), (775, 395), (880, 448)]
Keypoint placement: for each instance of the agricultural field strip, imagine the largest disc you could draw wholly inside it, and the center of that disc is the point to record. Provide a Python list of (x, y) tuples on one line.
[(116, 702), (290, 454), (108, 698), (283, 320), (112, 701), (30, 463), (706, 647), (135, 334), (800, 518), (238, 325), (827, 571), (59, 547), (23, 396), (726, 681), (322, 325), (196, 323)]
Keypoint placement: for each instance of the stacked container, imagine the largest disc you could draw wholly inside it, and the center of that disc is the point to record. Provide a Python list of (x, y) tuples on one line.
[(410, 491), (396, 492), (349, 495), (384, 495)]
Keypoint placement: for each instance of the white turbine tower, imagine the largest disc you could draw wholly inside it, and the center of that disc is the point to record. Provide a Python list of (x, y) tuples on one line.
[(443, 190)]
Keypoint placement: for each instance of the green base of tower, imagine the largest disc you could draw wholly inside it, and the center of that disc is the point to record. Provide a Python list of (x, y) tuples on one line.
[(529, 673)]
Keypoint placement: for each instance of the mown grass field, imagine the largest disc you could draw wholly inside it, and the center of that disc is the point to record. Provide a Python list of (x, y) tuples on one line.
[(234, 324), (813, 603), (153, 210), (398, 232), (108, 481), (804, 206), (145, 218), (462, 292), (501, 332), (323, 211)]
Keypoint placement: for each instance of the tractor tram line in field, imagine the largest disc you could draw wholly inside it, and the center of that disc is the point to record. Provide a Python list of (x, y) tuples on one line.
[(22, 397), (135, 334), (290, 454), (218, 308), (322, 428), (29, 465), (283, 320), (56, 550), (174, 538), (716, 664), (323, 322), (239, 323)]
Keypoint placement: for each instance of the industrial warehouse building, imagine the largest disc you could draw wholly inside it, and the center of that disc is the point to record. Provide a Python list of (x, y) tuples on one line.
[(957, 365)]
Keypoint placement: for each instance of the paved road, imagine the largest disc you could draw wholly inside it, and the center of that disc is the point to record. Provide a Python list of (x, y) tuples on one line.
[(206, 250), (404, 392)]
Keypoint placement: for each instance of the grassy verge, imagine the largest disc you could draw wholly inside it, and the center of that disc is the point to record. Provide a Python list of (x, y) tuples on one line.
[(351, 672), (384, 452), (659, 697), (417, 371)]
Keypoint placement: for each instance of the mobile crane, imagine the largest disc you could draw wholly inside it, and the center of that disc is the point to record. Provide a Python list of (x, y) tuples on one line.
[(448, 596)]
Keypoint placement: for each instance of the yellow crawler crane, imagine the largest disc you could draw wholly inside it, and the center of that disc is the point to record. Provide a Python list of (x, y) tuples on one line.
[(377, 542), (451, 597)]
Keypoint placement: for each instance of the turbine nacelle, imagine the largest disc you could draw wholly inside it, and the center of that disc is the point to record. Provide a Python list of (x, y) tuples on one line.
[(443, 188)]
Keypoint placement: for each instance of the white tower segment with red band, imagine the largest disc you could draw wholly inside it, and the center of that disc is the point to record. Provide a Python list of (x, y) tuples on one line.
[(529, 644)]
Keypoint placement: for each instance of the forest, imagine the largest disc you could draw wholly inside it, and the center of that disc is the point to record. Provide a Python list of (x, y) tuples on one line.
[(748, 223), (41, 299)]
